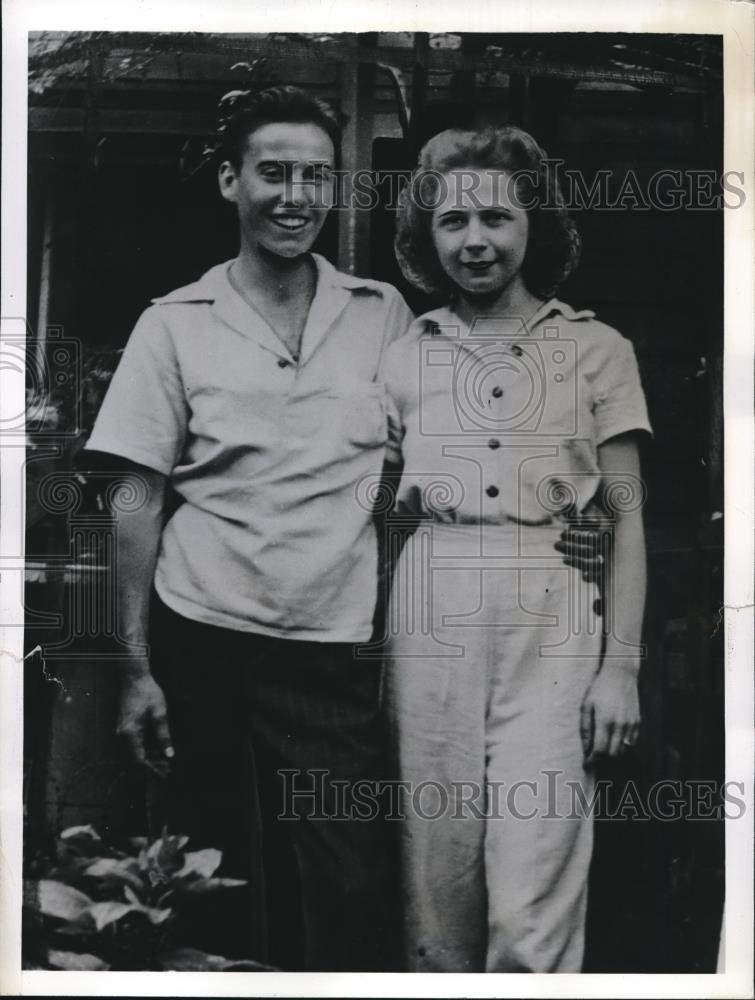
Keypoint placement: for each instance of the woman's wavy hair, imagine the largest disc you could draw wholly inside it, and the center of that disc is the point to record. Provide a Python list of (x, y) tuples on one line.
[(553, 246), (241, 112)]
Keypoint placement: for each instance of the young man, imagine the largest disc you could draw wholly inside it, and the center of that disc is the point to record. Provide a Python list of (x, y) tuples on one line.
[(254, 392)]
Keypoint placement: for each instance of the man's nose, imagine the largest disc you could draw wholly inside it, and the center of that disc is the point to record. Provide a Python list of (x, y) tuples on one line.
[(299, 189)]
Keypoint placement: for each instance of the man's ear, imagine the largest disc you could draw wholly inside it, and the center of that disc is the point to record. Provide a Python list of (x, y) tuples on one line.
[(227, 180)]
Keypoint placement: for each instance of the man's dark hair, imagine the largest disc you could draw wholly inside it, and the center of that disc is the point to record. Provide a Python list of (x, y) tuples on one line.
[(553, 246), (244, 111)]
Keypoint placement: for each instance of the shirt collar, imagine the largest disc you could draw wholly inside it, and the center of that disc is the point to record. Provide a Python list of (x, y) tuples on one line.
[(332, 294), (445, 317), (206, 289), (214, 283), (553, 306), (327, 274)]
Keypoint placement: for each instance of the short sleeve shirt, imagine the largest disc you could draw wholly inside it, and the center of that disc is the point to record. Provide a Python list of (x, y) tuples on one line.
[(267, 453), (501, 421)]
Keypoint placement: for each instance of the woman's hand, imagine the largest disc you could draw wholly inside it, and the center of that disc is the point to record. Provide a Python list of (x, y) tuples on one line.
[(610, 714)]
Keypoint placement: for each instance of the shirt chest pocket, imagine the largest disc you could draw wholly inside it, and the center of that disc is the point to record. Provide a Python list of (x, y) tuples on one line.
[(351, 415), (366, 415)]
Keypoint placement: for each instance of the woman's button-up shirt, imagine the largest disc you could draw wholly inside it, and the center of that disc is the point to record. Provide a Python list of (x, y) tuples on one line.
[(502, 421)]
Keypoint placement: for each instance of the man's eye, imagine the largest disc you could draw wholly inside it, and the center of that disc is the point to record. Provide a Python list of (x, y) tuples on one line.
[(272, 173), (317, 175)]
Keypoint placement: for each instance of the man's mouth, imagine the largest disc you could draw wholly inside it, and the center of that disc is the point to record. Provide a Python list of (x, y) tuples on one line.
[(291, 223)]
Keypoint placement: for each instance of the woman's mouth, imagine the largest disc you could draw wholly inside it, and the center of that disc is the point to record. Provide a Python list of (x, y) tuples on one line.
[(478, 266)]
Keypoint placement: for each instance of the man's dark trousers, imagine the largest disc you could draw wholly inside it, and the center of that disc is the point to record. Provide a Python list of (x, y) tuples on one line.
[(254, 718)]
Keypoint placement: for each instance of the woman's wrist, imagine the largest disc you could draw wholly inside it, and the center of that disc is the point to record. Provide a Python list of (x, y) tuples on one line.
[(620, 663)]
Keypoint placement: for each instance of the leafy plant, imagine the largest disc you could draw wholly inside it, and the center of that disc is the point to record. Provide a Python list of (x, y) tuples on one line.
[(93, 907)]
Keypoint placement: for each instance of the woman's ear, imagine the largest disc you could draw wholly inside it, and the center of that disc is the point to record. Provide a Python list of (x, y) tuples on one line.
[(227, 180)]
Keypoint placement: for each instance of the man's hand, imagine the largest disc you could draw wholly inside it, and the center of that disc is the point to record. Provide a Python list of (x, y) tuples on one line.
[(610, 715), (583, 541), (143, 723)]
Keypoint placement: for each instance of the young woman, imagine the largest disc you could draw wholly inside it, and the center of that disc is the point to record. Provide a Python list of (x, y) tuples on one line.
[(510, 411)]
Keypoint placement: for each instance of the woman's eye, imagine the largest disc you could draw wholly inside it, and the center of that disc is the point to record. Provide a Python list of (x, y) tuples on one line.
[(495, 218), (452, 221)]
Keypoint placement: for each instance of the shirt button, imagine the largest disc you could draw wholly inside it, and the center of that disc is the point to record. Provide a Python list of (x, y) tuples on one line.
[(492, 491), (516, 349), (283, 363), (497, 391), (494, 443)]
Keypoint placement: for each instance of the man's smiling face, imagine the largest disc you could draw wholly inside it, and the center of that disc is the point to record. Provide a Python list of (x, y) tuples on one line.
[(283, 188)]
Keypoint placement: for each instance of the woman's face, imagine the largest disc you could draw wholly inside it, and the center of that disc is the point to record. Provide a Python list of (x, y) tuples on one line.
[(480, 231)]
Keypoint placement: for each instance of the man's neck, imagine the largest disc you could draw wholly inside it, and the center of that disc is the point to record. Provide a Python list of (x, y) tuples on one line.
[(281, 290), (265, 277)]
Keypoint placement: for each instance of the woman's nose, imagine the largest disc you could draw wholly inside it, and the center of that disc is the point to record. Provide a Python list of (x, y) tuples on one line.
[(473, 237)]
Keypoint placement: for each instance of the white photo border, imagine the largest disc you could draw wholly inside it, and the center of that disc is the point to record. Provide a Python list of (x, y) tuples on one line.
[(735, 21)]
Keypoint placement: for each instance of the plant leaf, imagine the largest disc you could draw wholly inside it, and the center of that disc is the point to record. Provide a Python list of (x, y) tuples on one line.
[(205, 886), (108, 866), (200, 864), (124, 871), (247, 965), (158, 917), (109, 912), (84, 841), (195, 960), (75, 962), (131, 896), (87, 832), (190, 960), (165, 854), (55, 899)]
